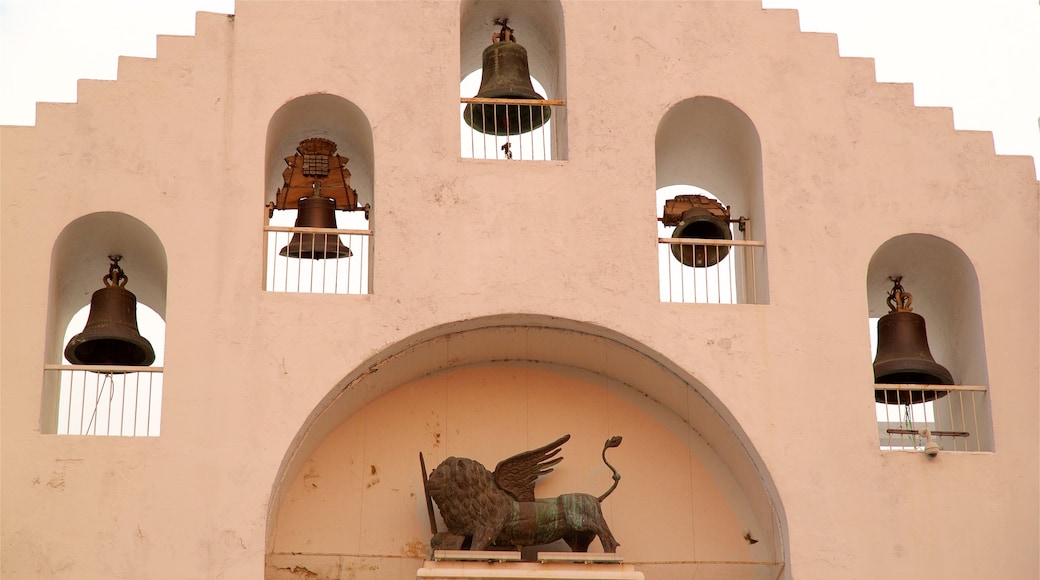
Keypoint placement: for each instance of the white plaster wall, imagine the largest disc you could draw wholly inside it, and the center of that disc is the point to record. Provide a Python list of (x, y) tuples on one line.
[(179, 143)]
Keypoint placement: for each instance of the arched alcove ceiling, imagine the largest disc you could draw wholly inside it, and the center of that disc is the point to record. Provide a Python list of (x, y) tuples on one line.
[(945, 290), (320, 115), (538, 25), (712, 144), (537, 339), (79, 261)]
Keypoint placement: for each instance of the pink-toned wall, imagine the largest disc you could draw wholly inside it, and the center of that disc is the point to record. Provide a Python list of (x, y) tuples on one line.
[(260, 387)]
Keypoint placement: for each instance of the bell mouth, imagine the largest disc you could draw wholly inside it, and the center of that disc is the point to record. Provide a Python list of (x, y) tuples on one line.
[(111, 350), (701, 224), (504, 119)]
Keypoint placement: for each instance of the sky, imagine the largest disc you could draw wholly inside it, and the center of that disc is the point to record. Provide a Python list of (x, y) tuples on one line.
[(980, 57)]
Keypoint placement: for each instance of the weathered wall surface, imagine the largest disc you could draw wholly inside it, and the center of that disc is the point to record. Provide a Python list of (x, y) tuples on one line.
[(179, 143)]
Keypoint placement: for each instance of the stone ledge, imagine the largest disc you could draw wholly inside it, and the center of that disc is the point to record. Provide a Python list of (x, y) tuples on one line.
[(556, 570)]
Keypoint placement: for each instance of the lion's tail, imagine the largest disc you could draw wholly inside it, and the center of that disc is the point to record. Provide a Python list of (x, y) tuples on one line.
[(612, 442)]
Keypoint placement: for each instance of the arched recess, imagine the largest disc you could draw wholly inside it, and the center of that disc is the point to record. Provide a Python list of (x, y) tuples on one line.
[(539, 27), (707, 143), (331, 117), (945, 290), (79, 260), (560, 374)]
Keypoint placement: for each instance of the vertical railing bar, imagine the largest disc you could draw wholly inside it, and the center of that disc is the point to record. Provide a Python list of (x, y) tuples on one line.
[(324, 262), (335, 267), (754, 279), (287, 261), (975, 418), (122, 405), (148, 410), (494, 109), (97, 398), (964, 422), (83, 403), (924, 410), (68, 416), (949, 409), (267, 234), (285, 264), (548, 136), (274, 261), (889, 409), (347, 265), (363, 266), (668, 264), (472, 131), (137, 404), (718, 274), (692, 272), (299, 267)]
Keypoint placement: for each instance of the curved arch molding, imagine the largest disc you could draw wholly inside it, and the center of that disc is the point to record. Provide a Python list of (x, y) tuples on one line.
[(493, 386)]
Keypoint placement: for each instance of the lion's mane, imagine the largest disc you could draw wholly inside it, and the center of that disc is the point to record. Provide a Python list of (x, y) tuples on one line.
[(466, 494)]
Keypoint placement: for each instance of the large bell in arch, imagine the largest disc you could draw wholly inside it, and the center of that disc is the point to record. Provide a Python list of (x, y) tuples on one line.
[(316, 211), (903, 356), (506, 75), (698, 216), (110, 336)]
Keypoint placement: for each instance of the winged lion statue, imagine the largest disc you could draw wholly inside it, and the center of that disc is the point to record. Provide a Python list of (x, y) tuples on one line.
[(483, 510)]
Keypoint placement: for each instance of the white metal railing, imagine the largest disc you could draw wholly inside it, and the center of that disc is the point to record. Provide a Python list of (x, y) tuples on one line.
[(956, 417), (502, 141), (107, 400), (348, 274), (731, 280)]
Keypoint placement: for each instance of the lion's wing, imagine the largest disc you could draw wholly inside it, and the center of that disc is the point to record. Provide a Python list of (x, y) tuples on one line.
[(517, 475)]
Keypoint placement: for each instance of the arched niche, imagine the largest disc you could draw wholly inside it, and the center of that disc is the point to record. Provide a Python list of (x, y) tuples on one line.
[(348, 492), (710, 144), (539, 28), (79, 261), (945, 290), (321, 115)]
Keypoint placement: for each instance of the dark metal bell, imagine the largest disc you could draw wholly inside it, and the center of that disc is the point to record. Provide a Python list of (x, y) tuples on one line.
[(110, 336), (903, 356), (506, 76), (703, 223), (316, 212)]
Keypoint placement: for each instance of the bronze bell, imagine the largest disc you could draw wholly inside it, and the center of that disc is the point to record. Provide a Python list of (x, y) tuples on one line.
[(698, 216), (505, 75), (316, 211), (110, 336), (903, 356)]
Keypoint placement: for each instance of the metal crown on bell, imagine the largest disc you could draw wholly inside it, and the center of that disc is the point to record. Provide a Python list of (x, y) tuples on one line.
[(110, 336), (903, 356), (506, 75)]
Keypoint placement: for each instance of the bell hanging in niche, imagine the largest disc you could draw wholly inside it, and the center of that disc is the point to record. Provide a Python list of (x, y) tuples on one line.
[(110, 336), (698, 216), (903, 356), (316, 211), (317, 183), (506, 75)]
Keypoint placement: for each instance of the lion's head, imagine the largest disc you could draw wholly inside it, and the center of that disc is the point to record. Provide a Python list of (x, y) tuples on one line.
[(466, 494)]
